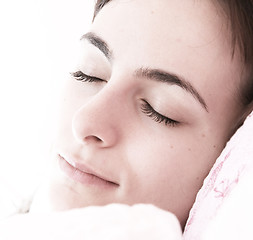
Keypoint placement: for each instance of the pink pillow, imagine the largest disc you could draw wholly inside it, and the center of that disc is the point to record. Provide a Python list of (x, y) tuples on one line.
[(234, 162)]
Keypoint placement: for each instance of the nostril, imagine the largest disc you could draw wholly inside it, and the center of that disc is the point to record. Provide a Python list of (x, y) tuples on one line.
[(93, 138)]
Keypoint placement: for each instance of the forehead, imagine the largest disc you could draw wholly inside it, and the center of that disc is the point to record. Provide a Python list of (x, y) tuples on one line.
[(159, 23), (187, 37)]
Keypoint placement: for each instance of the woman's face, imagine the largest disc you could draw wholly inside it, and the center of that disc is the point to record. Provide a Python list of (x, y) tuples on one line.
[(154, 111)]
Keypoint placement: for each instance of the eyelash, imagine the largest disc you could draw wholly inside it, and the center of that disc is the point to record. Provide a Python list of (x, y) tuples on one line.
[(157, 117), (80, 76), (145, 106)]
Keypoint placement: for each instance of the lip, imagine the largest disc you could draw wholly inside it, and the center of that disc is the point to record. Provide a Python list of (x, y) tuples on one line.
[(81, 173)]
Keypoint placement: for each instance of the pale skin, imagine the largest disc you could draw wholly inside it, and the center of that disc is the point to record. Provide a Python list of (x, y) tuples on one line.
[(147, 157)]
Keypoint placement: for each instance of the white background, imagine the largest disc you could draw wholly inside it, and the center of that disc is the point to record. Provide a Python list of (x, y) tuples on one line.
[(36, 39)]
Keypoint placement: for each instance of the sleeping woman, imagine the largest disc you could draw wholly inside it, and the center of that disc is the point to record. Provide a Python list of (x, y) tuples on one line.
[(158, 90)]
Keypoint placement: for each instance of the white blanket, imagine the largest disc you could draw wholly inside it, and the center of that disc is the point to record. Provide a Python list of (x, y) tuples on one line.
[(112, 222)]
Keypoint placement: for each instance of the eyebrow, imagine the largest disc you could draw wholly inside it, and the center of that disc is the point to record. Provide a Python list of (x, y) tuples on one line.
[(152, 74), (99, 43)]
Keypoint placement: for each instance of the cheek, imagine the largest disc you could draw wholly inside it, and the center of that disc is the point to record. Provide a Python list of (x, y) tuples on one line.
[(166, 174), (153, 159), (73, 97), (75, 94), (165, 160)]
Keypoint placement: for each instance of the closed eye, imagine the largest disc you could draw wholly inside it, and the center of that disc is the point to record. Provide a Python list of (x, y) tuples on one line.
[(157, 117), (80, 76)]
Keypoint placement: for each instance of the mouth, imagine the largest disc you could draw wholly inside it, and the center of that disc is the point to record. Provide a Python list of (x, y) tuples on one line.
[(82, 174)]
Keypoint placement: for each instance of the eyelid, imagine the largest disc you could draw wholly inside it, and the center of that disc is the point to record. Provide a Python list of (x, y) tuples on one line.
[(80, 76), (156, 116)]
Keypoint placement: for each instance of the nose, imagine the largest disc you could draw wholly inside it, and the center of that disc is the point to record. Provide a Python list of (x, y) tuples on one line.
[(95, 122)]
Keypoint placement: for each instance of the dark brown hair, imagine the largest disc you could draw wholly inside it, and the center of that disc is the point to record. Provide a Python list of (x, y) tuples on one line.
[(239, 14)]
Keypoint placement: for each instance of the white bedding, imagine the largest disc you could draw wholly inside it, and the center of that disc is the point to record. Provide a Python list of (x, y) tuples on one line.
[(112, 222)]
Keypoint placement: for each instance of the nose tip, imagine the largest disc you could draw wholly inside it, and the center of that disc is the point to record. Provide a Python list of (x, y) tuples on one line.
[(91, 129)]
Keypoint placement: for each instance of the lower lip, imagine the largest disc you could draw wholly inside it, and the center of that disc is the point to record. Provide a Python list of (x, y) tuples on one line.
[(83, 177)]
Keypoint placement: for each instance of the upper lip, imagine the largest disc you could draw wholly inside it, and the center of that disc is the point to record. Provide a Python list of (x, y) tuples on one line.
[(84, 168)]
